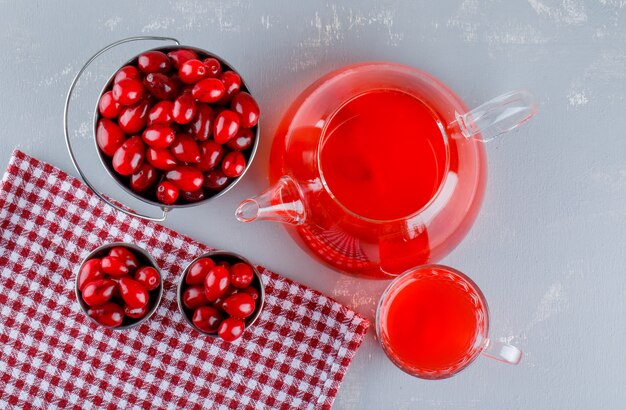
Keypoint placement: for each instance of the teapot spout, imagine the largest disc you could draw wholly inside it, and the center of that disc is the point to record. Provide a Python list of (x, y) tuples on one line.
[(282, 202)]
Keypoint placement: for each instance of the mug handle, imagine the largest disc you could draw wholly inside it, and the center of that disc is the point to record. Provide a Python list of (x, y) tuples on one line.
[(502, 352), (67, 132), (497, 116)]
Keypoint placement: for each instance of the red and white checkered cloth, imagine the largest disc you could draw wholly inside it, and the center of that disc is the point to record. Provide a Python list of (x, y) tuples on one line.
[(52, 356)]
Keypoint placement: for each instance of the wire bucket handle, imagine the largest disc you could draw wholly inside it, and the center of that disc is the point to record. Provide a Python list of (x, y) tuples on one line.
[(67, 133)]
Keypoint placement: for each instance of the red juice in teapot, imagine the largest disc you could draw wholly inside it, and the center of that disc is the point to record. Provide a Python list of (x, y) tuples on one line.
[(385, 183), (383, 155)]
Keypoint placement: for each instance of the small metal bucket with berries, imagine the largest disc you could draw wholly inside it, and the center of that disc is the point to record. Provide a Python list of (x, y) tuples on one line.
[(221, 294), (175, 126)]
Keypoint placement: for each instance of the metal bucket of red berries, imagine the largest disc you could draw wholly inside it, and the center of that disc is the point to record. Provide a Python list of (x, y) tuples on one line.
[(175, 126)]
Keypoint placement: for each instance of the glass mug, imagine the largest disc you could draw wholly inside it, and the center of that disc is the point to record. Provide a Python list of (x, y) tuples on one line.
[(433, 321)]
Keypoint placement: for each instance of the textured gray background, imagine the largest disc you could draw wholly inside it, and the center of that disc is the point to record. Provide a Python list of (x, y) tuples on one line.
[(548, 246)]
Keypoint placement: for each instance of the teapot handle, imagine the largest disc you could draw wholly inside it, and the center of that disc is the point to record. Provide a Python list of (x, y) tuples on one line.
[(497, 116)]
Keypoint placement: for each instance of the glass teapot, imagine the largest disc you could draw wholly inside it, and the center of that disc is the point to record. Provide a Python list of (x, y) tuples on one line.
[(379, 167)]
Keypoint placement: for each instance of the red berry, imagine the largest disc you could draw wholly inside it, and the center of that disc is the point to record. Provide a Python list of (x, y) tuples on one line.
[(98, 292), (252, 292), (127, 91), (144, 178), (161, 159), (198, 270), (231, 329), (232, 85), (167, 193), (134, 294), (128, 71), (247, 108), (242, 141), (114, 266), (109, 136), (185, 149), (133, 118), (216, 282), (108, 107), (211, 154), (160, 86), (193, 196), (202, 124), (160, 113), (217, 303), (153, 62), (184, 109), (178, 57), (241, 275), (185, 177), (215, 180), (225, 127), (214, 68), (208, 90), (129, 156), (129, 258), (240, 305), (89, 272), (194, 297), (109, 314), (149, 277), (224, 264), (192, 71), (233, 164), (207, 319), (158, 136), (136, 313)]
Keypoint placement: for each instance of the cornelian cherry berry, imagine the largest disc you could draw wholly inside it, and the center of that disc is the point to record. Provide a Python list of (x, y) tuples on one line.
[(232, 85), (192, 71), (109, 314), (207, 319), (129, 258), (231, 329), (160, 113), (242, 141), (153, 62), (98, 292), (240, 305), (148, 277), (127, 71), (89, 272), (160, 86), (233, 164), (216, 282), (178, 57), (185, 177), (161, 159), (133, 118), (214, 68), (185, 149), (211, 154), (208, 90), (129, 156), (136, 313), (194, 297), (114, 266), (241, 275), (133, 292), (167, 192), (225, 127), (202, 124), (108, 107), (158, 136), (247, 108), (184, 109), (198, 270), (109, 136), (250, 290), (127, 91), (193, 196), (215, 180)]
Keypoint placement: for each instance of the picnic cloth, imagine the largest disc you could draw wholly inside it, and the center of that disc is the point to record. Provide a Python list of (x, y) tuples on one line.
[(53, 356)]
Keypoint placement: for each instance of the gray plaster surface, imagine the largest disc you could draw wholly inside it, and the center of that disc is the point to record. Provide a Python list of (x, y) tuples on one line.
[(548, 247)]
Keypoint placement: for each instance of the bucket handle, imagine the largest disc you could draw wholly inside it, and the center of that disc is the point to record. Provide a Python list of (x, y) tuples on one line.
[(67, 133)]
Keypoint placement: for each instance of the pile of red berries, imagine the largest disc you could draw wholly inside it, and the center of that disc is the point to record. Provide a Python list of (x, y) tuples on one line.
[(177, 127), (219, 297), (117, 285)]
